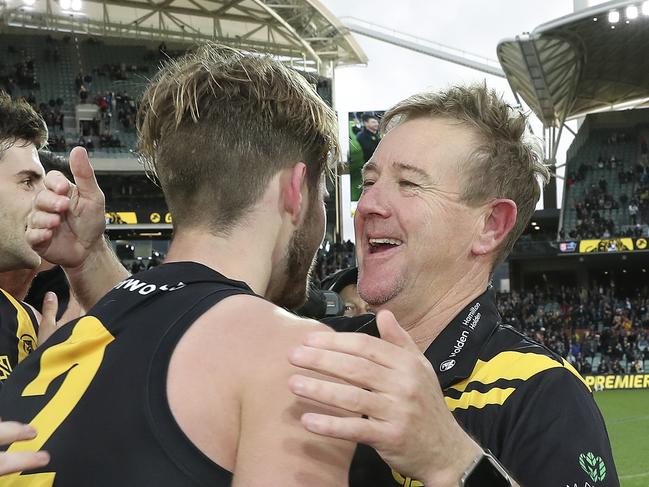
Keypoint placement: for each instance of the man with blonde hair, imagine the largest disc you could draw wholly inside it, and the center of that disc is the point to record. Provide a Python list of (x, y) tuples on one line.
[(178, 375), (448, 191)]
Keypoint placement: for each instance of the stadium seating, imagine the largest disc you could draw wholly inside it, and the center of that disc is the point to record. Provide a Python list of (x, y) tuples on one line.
[(123, 70), (591, 164)]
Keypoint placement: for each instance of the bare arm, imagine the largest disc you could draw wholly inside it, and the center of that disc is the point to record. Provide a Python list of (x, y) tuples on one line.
[(97, 275)]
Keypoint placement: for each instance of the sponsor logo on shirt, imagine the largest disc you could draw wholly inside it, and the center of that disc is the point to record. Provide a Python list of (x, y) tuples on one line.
[(144, 288), (470, 321), (593, 466)]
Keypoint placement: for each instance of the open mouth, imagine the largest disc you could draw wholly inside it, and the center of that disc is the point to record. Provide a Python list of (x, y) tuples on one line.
[(380, 245)]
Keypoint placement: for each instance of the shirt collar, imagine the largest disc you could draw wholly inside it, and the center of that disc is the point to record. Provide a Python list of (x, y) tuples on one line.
[(456, 349)]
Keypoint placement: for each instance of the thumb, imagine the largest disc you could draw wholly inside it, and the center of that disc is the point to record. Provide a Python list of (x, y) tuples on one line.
[(47, 326), (391, 331), (84, 174)]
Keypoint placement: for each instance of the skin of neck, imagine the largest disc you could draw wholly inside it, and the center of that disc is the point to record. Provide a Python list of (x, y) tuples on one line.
[(17, 282), (424, 319), (250, 251)]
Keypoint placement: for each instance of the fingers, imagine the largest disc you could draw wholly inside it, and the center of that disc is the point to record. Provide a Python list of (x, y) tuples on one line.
[(23, 460), (36, 238), (358, 344), (352, 369), (391, 331), (55, 181), (84, 175), (41, 220), (350, 398), (49, 201), (47, 325), (11, 431), (358, 430)]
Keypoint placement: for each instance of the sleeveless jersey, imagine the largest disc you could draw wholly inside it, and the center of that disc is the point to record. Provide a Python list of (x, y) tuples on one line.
[(18, 333), (96, 390)]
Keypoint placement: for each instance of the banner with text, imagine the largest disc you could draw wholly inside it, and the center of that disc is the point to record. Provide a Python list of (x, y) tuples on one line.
[(624, 381)]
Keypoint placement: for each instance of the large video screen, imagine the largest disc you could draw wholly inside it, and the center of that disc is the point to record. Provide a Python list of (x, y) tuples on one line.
[(364, 137)]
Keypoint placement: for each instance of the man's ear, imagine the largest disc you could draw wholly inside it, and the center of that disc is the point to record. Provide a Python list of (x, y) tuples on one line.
[(294, 190), (499, 221)]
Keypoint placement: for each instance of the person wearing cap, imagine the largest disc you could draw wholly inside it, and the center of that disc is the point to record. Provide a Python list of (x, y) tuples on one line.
[(343, 282)]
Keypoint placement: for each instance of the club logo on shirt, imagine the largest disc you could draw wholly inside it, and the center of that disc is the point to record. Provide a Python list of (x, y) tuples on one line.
[(446, 365), (27, 342), (5, 367), (593, 466)]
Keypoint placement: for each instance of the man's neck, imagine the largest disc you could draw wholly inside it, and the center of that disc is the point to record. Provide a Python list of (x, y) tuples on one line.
[(425, 323), (17, 282), (237, 257)]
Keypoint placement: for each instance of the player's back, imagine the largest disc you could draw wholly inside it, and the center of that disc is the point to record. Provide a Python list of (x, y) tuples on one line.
[(97, 391)]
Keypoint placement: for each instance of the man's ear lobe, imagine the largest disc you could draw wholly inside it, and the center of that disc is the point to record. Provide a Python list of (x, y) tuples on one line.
[(498, 223), (294, 191)]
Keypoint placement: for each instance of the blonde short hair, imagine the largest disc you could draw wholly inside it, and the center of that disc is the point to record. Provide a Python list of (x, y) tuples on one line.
[(504, 164), (216, 125)]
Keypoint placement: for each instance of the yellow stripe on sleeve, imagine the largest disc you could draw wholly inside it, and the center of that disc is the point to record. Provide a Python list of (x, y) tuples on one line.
[(511, 365), (479, 399)]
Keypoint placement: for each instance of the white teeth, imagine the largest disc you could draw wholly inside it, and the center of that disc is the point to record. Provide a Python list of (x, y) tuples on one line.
[(390, 241)]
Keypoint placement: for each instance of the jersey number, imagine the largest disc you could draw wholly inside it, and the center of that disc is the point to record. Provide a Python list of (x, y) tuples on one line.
[(80, 356)]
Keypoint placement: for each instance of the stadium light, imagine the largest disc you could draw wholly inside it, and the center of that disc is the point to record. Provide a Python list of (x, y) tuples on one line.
[(614, 16), (76, 5), (65, 4), (645, 8), (632, 12), (594, 19)]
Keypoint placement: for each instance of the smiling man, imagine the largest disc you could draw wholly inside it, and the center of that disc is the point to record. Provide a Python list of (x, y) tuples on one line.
[(22, 133), (448, 191)]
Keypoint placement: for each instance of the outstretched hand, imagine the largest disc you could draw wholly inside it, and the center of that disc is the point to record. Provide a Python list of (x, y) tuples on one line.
[(394, 386)]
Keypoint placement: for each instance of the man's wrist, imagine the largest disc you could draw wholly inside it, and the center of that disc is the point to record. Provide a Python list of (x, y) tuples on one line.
[(99, 250), (463, 456)]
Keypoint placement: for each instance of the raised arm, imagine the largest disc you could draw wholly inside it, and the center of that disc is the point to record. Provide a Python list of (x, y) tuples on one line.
[(66, 227)]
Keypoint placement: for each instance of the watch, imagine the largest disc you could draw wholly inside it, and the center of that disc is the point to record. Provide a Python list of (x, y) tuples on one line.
[(486, 471)]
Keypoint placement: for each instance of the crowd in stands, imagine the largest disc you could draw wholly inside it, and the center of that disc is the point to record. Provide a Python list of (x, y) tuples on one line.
[(590, 221), (580, 324), (334, 257), (597, 330)]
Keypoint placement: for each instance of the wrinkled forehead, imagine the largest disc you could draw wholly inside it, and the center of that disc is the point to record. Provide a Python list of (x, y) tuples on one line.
[(439, 148)]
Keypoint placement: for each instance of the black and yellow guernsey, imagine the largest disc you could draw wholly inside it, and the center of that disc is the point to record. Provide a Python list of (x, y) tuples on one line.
[(515, 397), (96, 390), (18, 333)]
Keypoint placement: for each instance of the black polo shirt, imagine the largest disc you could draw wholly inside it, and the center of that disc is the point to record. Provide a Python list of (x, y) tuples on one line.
[(514, 396)]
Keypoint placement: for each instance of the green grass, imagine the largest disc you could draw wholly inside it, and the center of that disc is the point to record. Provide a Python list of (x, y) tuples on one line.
[(626, 414)]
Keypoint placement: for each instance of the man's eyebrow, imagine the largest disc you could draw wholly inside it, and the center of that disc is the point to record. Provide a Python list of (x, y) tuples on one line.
[(417, 170), (369, 166), (36, 176)]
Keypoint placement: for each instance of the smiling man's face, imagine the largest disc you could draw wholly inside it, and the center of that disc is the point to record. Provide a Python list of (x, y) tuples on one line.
[(21, 177), (413, 231)]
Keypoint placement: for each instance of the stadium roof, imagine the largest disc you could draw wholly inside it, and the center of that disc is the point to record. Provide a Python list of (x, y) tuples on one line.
[(582, 63), (300, 30)]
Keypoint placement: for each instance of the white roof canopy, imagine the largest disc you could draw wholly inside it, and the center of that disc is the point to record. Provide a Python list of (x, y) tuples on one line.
[(577, 65), (303, 30)]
